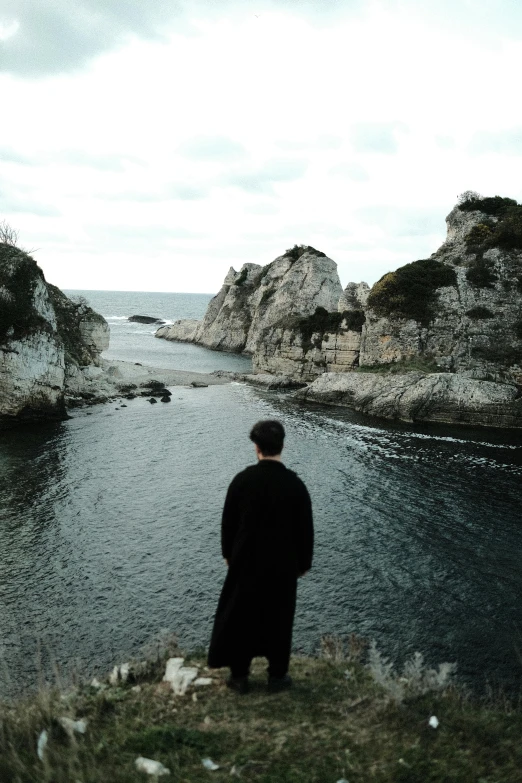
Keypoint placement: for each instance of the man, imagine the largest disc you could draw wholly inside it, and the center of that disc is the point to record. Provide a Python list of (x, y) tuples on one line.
[(267, 542)]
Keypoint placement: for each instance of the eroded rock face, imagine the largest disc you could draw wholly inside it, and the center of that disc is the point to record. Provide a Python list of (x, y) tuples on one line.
[(475, 327), (44, 336), (284, 351), (437, 397), (257, 298), (182, 331), (354, 297)]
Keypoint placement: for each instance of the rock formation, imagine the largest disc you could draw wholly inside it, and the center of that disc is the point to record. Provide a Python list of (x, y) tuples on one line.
[(47, 341), (437, 397), (256, 298), (455, 317), (462, 308), (145, 319)]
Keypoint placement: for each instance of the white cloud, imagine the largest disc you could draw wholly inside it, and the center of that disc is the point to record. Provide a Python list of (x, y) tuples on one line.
[(177, 136)]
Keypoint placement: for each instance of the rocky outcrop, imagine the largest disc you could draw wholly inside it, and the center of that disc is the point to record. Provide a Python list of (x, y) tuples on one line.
[(183, 331), (46, 340), (437, 397), (306, 347), (257, 298), (145, 319), (354, 297), (456, 315), (469, 321)]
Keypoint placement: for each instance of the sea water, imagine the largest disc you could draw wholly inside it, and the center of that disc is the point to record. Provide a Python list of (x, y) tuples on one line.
[(110, 521)]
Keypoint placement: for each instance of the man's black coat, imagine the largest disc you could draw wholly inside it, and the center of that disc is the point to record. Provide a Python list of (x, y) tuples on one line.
[(267, 538)]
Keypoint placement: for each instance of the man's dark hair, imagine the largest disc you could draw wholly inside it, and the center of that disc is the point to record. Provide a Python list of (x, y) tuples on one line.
[(268, 435)]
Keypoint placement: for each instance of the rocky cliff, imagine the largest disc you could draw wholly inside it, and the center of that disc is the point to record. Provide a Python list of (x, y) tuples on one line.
[(456, 315), (256, 298), (460, 310), (414, 396), (45, 340), (462, 307)]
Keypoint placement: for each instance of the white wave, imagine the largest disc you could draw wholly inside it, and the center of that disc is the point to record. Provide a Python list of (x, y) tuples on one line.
[(116, 317), (397, 434)]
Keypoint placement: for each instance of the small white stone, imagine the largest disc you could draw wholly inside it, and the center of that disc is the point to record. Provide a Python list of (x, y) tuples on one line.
[(209, 764), (433, 722), (203, 681), (151, 767), (179, 676), (71, 726), (42, 744), (113, 676)]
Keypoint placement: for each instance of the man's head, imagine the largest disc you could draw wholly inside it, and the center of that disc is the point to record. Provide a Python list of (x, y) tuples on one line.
[(269, 436)]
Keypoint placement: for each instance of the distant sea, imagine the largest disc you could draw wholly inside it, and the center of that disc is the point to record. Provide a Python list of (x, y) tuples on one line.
[(110, 522), (131, 341)]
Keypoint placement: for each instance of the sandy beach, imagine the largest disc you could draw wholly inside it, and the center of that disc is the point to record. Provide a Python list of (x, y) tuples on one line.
[(122, 373)]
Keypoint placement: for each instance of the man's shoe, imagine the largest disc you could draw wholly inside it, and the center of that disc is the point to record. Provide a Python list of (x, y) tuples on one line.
[(276, 684), (238, 684)]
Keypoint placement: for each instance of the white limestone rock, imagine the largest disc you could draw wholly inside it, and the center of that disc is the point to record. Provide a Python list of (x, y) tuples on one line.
[(44, 339), (182, 331), (438, 397), (293, 287), (486, 347), (354, 297), (256, 298), (283, 351), (32, 361), (179, 676), (151, 767)]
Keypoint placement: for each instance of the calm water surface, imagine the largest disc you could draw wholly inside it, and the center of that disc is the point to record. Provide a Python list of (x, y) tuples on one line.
[(109, 528)]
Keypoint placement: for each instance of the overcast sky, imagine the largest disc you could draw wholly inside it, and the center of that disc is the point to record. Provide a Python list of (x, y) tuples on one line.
[(151, 144)]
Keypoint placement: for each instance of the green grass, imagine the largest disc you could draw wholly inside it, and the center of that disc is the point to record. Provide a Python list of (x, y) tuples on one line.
[(335, 722)]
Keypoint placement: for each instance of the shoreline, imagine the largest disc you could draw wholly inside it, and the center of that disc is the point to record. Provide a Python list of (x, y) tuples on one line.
[(123, 372), (115, 379)]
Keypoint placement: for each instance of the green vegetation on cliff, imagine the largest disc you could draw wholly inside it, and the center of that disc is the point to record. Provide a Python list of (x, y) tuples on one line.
[(411, 291), (320, 323), (341, 720), (297, 251), (19, 274), (505, 231)]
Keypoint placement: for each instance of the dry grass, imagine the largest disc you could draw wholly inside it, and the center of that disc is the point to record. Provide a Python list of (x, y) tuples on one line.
[(336, 722)]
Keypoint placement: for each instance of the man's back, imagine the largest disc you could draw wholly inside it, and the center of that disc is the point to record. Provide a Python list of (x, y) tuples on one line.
[(267, 542), (266, 520)]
